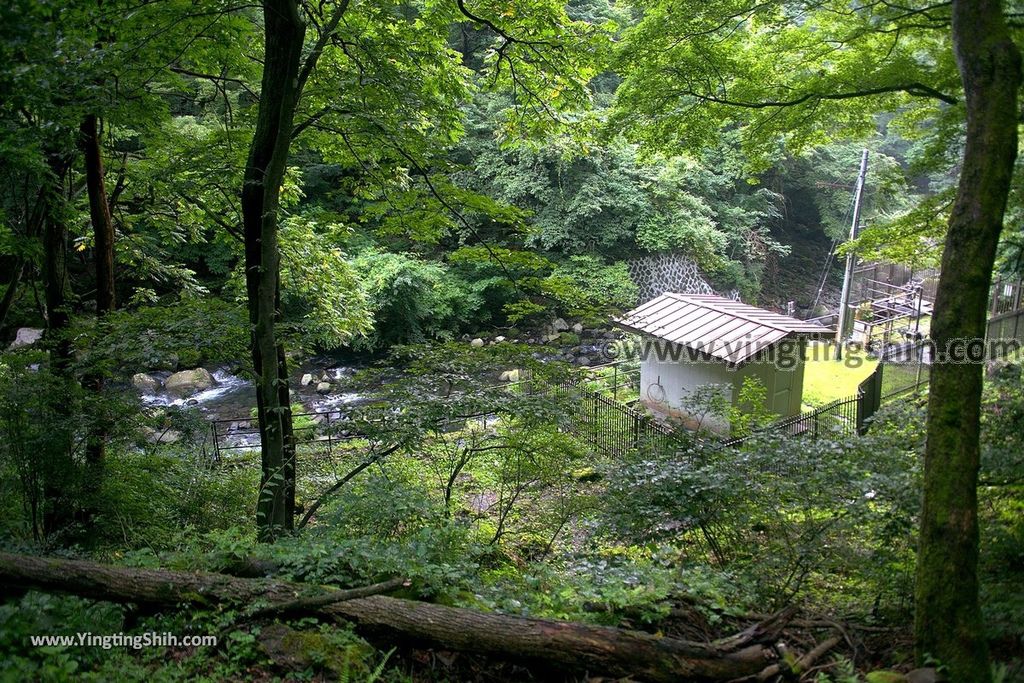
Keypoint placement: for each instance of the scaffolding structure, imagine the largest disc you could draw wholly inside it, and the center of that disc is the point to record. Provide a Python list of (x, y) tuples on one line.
[(891, 311)]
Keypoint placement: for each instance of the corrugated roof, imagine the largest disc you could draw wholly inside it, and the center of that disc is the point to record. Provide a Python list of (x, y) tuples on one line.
[(722, 328)]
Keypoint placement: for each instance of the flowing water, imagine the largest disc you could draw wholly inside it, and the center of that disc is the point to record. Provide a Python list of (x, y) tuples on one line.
[(233, 397)]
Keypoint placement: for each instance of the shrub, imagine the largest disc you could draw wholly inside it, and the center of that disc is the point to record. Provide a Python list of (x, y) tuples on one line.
[(187, 334), (412, 300)]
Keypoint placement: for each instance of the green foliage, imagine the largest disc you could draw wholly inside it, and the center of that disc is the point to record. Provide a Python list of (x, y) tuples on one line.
[(750, 411), (605, 202), (605, 584), (41, 412), (412, 300), (766, 510), (185, 334), (775, 72), (830, 173), (158, 500), (1001, 504), (43, 614), (591, 288), (455, 167), (324, 304)]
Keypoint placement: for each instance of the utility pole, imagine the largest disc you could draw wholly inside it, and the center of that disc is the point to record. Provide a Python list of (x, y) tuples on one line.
[(844, 300)]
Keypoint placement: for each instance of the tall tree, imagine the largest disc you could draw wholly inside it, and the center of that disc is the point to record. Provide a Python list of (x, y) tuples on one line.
[(948, 623), (103, 239), (58, 317), (99, 213), (826, 69), (284, 33), (376, 124)]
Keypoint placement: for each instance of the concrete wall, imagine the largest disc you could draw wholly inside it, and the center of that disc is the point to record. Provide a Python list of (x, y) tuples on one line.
[(666, 384)]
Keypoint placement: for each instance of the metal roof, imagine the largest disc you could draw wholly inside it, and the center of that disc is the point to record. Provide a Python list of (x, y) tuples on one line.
[(728, 330)]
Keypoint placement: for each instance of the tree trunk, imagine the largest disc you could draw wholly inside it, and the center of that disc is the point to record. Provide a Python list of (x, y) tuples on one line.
[(103, 236), (56, 512), (568, 646), (11, 293), (33, 227), (99, 212), (55, 271), (261, 191), (948, 623)]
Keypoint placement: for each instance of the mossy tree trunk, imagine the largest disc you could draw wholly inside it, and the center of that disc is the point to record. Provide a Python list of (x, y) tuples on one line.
[(559, 645), (284, 33), (103, 238), (948, 624)]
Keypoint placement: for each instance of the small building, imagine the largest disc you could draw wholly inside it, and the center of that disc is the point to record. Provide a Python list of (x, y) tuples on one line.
[(693, 340)]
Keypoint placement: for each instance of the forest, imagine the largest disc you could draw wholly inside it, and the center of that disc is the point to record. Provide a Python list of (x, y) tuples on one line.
[(468, 340)]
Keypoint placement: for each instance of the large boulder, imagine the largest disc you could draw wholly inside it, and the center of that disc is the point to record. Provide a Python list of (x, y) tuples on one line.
[(559, 325), (26, 336), (323, 388), (161, 435), (306, 380), (189, 382), (477, 343), (145, 384)]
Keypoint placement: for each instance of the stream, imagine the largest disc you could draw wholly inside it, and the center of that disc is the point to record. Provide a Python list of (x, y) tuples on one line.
[(233, 397)]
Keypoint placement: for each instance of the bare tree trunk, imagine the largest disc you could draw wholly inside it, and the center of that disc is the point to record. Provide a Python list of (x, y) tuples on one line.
[(103, 236), (565, 645), (55, 271), (261, 192), (948, 624)]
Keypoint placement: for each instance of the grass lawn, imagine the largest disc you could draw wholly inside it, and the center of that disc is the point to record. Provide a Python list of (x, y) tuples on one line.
[(826, 379)]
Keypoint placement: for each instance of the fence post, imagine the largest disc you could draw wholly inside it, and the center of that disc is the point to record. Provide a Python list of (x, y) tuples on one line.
[(216, 442), (861, 410), (920, 365), (869, 397), (330, 443)]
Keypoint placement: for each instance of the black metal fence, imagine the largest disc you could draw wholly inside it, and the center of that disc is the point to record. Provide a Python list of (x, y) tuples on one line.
[(611, 427), (836, 419), (839, 418), (318, 431), (608, 425), (1006, 311), (909, 371)]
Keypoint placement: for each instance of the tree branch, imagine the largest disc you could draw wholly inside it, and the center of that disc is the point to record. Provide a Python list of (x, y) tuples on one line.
[(915, 89)]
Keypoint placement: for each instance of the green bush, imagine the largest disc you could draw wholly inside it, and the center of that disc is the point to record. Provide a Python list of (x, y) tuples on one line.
[(412, 300), (586, 286), (42, 414), (767, 510), (158, 499), (187, 334)]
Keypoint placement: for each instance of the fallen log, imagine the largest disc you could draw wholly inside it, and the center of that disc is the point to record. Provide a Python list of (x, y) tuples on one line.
[(325, 598), (569, 646)]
